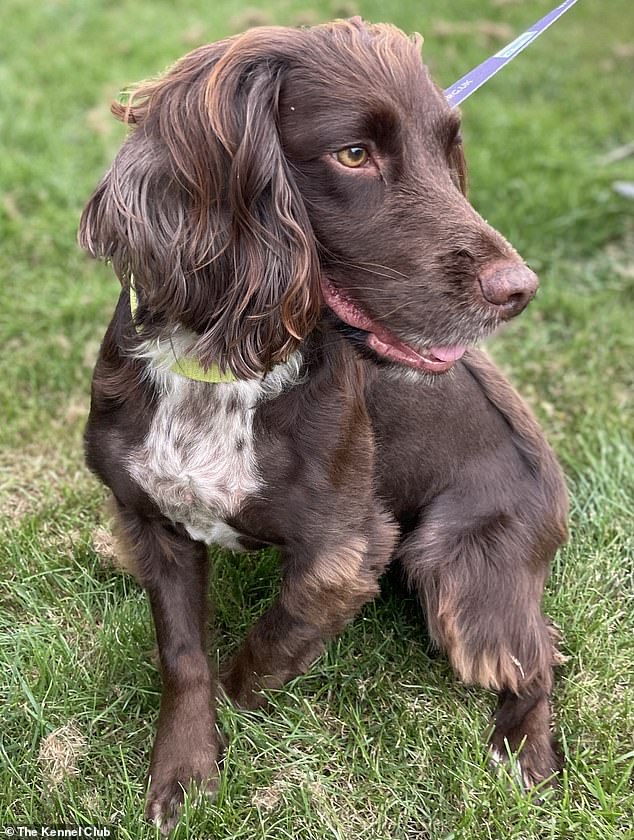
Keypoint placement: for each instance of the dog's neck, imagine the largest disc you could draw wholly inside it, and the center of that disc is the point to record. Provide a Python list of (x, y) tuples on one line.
[(169, 355), (170, 366), (181, 363)]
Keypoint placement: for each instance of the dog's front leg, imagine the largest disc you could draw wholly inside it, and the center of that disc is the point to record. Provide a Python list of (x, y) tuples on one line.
[(174, 571), (321, 592), (480, 576)]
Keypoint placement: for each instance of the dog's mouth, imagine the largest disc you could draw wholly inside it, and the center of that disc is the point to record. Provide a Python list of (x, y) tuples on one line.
[(383, 342)]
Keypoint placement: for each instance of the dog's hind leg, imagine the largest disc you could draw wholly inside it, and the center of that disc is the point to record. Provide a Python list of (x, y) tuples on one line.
[(321, 592), (173, 569), (480, 579)]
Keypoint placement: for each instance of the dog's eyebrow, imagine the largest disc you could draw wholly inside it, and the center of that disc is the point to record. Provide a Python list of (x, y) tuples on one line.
[(382, 124)]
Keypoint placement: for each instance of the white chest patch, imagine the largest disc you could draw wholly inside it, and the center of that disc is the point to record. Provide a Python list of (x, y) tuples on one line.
[(197, 462)]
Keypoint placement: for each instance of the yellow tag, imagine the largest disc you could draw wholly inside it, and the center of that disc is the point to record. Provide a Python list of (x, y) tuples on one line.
[(188, 366), (192, 369)]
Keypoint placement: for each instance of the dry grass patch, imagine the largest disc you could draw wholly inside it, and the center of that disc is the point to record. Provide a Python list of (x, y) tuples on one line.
[(60, 754)]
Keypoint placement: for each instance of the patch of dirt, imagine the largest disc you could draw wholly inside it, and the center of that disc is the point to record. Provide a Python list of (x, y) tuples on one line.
[(35, 474), (268, 798), (33, 477), (60, 753), (483, 30), (345, 9), (247, 18), (104, 544), (195, 35), (624, 50)]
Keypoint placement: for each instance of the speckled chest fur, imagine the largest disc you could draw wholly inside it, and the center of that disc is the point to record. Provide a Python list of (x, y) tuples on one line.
[(198, 461)]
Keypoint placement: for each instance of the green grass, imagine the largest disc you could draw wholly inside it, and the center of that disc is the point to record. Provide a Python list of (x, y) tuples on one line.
[(378, 740)]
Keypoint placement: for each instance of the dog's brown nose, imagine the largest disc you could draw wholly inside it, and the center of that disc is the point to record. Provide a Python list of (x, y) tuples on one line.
[(508, 284)]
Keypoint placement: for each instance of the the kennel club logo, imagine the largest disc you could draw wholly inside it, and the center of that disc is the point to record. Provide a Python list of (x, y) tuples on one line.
[(39, 832), (475, 78)]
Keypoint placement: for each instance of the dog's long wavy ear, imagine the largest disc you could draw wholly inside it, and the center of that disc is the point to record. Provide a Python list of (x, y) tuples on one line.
[(201, 209)]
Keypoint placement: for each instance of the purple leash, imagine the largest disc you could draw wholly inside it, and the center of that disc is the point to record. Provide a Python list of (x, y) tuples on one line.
[(475, 78)]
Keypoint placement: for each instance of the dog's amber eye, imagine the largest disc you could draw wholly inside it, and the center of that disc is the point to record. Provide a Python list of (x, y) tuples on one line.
[(353, 156)]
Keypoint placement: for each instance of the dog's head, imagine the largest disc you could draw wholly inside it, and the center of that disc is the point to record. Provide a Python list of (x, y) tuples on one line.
[(283, 169)]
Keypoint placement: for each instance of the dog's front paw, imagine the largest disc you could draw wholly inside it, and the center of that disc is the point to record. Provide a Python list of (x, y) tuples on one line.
[(242, 686), (166, 797), (250, 672), (177, 765), (522, 740), (531, 764)]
